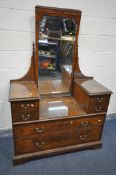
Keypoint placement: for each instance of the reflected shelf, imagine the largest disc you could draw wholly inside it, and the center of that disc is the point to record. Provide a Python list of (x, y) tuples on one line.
[(63, 38)]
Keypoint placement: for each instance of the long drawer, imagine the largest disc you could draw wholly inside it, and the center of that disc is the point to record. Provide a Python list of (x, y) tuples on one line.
[(57, 126), (35, 144)]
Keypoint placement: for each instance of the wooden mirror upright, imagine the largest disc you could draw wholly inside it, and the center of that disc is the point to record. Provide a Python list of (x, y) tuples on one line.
[(55, 108)]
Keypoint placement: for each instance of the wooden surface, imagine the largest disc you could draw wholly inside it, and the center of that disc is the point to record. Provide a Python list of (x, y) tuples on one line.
[(43, 9), (53, 127), (35, 144), (20, 90), (73, 107), (52, 87), (24, 116), (80, 96), (66, 75), (91, 102), (48, 135), (92, 87), (24, 111), (37, 133), (41, 154)]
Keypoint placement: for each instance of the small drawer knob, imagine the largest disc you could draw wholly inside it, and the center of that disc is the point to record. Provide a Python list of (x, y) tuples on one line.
[(99, 121), (71, 122)]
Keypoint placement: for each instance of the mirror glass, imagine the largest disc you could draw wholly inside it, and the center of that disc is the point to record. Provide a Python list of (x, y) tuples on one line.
[(55, 54)]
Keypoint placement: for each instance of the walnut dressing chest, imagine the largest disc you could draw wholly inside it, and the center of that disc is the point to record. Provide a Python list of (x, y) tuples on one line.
[(55, 108)]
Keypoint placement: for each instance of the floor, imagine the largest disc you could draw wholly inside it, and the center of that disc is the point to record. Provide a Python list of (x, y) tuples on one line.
[(89, 162)]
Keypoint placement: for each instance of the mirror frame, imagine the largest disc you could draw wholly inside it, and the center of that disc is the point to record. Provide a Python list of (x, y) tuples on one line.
[(40, 12)]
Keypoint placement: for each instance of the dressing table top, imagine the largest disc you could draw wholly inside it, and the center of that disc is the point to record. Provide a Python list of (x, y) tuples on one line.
[(23, 90), (92, 87)]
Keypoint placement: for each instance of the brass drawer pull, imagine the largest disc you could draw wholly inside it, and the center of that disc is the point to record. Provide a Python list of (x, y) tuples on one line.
[(38, 145), (26, 117), (38, 130), (98, 109), (100, 99), (83, 137), (25, 106), (84, 123)]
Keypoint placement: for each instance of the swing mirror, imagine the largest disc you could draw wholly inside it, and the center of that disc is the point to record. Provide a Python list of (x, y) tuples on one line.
[(55, 54)]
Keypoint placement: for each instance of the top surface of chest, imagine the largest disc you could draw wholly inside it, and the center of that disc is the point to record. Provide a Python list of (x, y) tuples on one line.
[(23, 90)]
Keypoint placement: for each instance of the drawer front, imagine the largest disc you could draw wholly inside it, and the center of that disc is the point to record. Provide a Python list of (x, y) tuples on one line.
[(22, 116), (88, 122), (89, 135), (25, 105), (62, 126), (99, 103), (35, 144)]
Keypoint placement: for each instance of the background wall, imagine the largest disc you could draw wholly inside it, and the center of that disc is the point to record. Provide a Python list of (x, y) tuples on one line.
[(97, 43)]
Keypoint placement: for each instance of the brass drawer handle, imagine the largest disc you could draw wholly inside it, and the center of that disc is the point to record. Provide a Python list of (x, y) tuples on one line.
[(98, 109), (38, 130), (25, 106), (100, 99), (83, 137), (38, 145), (84, 123), (26, 117)]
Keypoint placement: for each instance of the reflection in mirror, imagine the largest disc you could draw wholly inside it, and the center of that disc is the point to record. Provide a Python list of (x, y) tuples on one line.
[(55, 45)]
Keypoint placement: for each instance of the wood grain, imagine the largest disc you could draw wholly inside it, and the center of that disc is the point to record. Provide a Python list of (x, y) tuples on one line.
[(52, 87), (20, 90)]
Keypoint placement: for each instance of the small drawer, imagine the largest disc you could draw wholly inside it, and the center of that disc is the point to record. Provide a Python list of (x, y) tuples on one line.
[(25, 105), (99, 103), (52, 127), (23, 116)]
